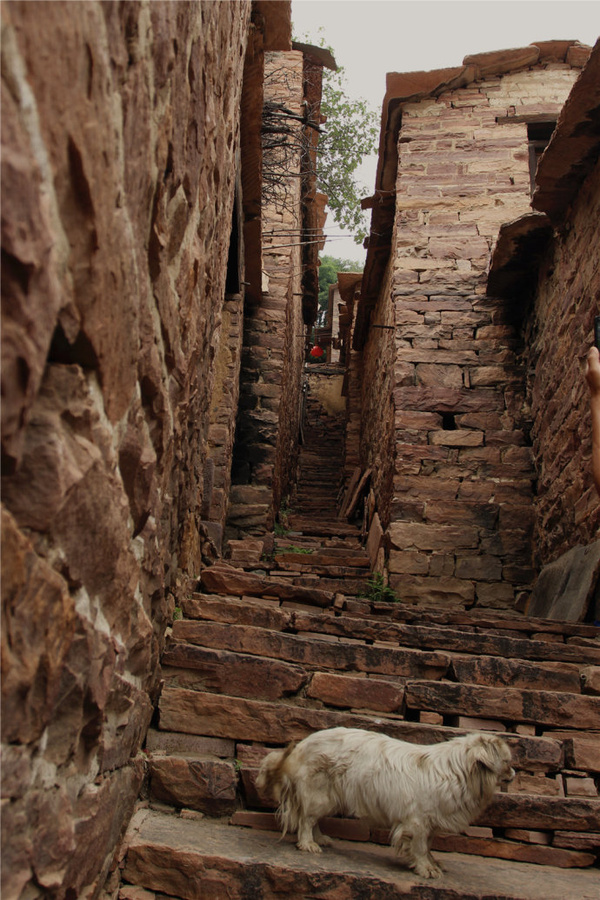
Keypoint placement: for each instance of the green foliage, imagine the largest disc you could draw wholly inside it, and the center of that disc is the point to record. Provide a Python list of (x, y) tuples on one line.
[(293, 549), (350, 133), (177, 613), (330, 266), (379, 592)]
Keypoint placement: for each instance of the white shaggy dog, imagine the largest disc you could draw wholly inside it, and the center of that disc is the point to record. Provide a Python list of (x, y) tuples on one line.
[(414, 790)]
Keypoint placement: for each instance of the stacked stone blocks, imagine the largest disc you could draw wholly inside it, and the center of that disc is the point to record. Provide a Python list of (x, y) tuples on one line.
[(461, 516)]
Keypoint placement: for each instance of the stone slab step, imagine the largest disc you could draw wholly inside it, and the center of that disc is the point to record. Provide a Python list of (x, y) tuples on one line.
[(345, 544), (314, 526), (322, 558), (297, 562), (258, 611), (224, 579), (359, 830), (198, 859), (506, 704), (248, 720), (481, 619), (450, 639), (483, 669), (312, 650), (355, 583), (211, 785), (206, 785), (204, 669)]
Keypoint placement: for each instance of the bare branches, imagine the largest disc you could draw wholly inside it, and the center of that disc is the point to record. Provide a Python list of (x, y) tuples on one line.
[(287, 144)]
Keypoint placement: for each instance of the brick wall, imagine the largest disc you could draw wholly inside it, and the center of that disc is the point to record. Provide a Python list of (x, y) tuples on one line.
[(567, 511), (265, 452), (461, 518), (379, 427)]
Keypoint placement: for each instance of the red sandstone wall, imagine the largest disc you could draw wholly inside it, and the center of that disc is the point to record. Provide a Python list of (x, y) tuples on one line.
[(567, 509), (119, 140), (461, 515), (271, 368), (379, 428)]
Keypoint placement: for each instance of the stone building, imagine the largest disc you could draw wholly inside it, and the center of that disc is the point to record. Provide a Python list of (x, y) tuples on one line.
[(474, 314), (134, 242)]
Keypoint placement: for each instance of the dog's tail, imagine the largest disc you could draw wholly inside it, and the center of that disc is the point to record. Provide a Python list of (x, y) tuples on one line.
[(273, 780)]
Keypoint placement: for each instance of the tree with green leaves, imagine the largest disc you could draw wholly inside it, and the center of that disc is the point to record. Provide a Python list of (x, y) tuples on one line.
[(330, 266), (349, 134), (328, 271)]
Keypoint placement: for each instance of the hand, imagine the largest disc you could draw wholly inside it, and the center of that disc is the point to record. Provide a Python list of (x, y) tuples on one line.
[(592, 370)]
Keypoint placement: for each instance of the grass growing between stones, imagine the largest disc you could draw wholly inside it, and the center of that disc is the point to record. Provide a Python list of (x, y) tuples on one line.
[(378, 591), (293, 549)]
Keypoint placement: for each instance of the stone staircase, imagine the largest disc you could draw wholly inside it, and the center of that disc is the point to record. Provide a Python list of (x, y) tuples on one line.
[(282, 639), (257, 660), (317, 495)]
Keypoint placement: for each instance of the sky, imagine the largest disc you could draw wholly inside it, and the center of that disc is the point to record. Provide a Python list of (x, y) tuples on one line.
[(373, 37)]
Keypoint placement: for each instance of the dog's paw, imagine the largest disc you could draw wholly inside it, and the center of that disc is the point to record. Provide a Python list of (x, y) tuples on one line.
[(427, 868), (309, 847)]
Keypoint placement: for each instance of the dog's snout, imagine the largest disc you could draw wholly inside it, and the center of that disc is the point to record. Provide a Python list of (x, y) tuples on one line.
[(508, 774)]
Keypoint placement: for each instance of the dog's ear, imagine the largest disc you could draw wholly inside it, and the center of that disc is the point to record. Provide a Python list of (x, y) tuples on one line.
[(483, 752)]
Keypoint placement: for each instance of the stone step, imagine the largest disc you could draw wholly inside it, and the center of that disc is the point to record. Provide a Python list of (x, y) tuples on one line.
[(459, 641), (190, 778), (477, 840), (315, 526), (506, 704), (325, 480), (224, 579), (322, 542), (190, 858), (339, 655), (322, 556), (357, 583), (482, 619), (220, 671), (246, 720), (295, 562), (475, 659)]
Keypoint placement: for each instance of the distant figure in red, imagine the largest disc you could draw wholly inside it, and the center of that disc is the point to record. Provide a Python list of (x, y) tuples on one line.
[(592, 376)]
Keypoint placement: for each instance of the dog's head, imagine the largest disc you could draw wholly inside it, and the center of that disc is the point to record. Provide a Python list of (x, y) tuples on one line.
[(491, 754)]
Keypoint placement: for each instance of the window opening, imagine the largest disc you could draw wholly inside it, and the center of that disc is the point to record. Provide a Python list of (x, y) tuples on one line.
[(538, 136)]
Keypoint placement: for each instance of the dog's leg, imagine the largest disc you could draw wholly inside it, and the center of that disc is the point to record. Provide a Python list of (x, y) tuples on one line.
[(307, 828), (410, 841), (321, 838)]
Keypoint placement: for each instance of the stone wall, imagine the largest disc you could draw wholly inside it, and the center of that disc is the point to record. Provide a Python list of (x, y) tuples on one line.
[(567, 511), (380, 428), (461, 518), (268, 419), (120, 127)]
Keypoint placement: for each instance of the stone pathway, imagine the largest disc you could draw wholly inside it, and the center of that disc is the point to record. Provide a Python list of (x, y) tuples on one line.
[(281, 640), (209, 860), (257, 661)]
